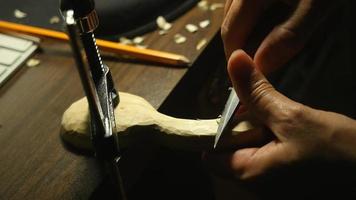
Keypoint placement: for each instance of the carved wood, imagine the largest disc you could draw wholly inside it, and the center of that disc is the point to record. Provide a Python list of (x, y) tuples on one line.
[(137, 119)]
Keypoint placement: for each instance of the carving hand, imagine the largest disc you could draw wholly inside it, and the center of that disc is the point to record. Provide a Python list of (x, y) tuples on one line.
[(299, 132)]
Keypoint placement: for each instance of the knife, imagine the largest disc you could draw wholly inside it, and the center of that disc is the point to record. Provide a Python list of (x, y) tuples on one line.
[(227, 117)]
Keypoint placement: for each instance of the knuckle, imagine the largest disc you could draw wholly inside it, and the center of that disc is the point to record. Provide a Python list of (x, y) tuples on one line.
[(225, 36), (241, 165), (259, 90), (289, 36), (287, 31), (224, 31), (252, 172), (296, 111), (290, 117)]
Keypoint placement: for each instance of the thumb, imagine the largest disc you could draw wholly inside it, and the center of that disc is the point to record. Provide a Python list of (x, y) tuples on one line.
[(252, 88), (258, 96), (271, 109), (244, 76)]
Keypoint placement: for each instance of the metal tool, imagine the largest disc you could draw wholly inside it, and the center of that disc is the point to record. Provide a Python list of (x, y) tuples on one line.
[(227, 117), (81, 20)]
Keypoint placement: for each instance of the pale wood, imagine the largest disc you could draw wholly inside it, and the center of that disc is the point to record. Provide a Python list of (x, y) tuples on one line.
[(136, 118)]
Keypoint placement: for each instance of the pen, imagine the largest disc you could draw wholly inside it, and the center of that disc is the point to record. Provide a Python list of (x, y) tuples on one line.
[(143, 54)]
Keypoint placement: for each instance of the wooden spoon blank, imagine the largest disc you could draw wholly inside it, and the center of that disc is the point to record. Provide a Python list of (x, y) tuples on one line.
[(137, 120)]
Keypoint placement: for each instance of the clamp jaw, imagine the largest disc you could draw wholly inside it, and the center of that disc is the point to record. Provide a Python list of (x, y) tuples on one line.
[(81, 21)]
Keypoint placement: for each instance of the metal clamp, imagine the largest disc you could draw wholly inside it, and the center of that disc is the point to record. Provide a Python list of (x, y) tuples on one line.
[(88, 23)]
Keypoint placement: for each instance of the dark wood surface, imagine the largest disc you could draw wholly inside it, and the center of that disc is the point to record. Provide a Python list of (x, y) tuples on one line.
[(33, 162)]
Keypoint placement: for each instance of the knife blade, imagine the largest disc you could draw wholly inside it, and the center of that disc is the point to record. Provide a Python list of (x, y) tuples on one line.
[(226, 119)]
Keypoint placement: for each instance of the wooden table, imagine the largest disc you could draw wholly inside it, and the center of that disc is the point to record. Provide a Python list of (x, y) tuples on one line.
[(33, 162)]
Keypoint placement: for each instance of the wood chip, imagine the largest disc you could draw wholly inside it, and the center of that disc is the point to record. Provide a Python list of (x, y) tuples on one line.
[(19, 14), (191, 28), (138, 40), (54, 20), (201, 44), (163, 24), (33, 62), (124, 40), (162, 32), (179, 39), (215, 6), (204, 24), (204, 5)]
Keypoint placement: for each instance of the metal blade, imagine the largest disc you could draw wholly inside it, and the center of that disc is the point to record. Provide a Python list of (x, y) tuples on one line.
[(230, 108)]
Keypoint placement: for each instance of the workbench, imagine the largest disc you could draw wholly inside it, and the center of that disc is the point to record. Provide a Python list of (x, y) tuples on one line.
[(35, 164)]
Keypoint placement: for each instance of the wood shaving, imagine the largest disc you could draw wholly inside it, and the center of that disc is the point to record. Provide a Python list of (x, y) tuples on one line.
[(33, 62), (163, 24), (179, 39), (191, 28), (162, 32), (138, 40), (215, 6), (204, 24), (54, 20), (201, 44), (204, 5), (19, 14), (124, 40)]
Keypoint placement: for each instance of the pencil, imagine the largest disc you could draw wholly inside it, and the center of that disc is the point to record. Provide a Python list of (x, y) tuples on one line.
[(115, 47)]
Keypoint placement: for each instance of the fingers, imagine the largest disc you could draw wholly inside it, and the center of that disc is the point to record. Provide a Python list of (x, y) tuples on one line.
[(252, 162), (240, 18), (272, 110), (280, 46), (256, 135), (227, 7), (249, 163), (246, 132), (288, 38), (268, 106)]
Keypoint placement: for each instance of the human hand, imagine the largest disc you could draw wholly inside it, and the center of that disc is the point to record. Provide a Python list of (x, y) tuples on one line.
[(300, 132), (285, 40)]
